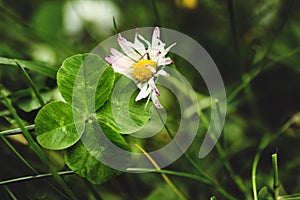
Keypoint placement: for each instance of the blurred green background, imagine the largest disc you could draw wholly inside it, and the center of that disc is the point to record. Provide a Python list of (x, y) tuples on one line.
[(255, 45)]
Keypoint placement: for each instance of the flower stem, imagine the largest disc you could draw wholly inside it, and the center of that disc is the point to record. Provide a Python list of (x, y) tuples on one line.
[(265, 141), (275, 174)]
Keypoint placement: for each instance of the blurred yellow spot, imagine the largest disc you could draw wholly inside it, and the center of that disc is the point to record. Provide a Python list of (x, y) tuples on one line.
[(18, 138), (189, 4), (141, 71)]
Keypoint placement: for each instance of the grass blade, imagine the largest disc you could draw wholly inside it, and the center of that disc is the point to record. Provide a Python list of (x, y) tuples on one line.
[(39, 67), (31, 83), (32, 177), (16, 130), (35, 146)]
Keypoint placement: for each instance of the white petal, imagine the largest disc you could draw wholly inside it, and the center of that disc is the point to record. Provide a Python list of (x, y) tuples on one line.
[(138, 45), (162, 73), (151, 69), (145, 91), (164, 53), (153, 86), (157, 44), (154, 54), (121, 57), (144, 40), (127, 48), (164, 61), (115, 52), (156, 101), (120, 63)]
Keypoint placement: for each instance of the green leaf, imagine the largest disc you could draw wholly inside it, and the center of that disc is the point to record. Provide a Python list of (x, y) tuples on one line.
[(55, 127), (39, 67), (32, 103), (85, 81), (82, 157), (122, 112), (84, 164), (263, 194)]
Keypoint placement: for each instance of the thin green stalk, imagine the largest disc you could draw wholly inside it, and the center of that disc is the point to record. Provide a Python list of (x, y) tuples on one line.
[(14, 150), (164, 176), (115, 25), (284, 19), (18, 154), (34, 66), (222, 153), (170, 172), (33, 177), (35, 146), (237, 180), (275, 175), (208, 179), (16, 131), (31, 83), (4, 113), (92, 188), (265, 141), (228, 167), (10, 193), (248, 77)]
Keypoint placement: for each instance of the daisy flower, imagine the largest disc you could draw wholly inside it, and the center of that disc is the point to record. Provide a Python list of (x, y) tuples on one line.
[(142, 62)]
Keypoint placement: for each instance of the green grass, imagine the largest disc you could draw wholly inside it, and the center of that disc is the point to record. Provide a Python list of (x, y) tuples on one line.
[(255, 45)]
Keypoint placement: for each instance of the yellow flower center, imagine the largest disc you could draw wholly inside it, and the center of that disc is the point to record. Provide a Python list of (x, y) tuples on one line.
[(141, 71)]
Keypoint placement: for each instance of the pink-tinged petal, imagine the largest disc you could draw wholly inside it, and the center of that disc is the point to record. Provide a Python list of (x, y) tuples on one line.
[(115, 52), (156, 35), (157, 44), (119, 62), (121, 57), (164, 61), (156, 101), (164, 52), (127, 47), (122, 65), (153, 86), (162, 73), (145, 91), (110, 59)]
